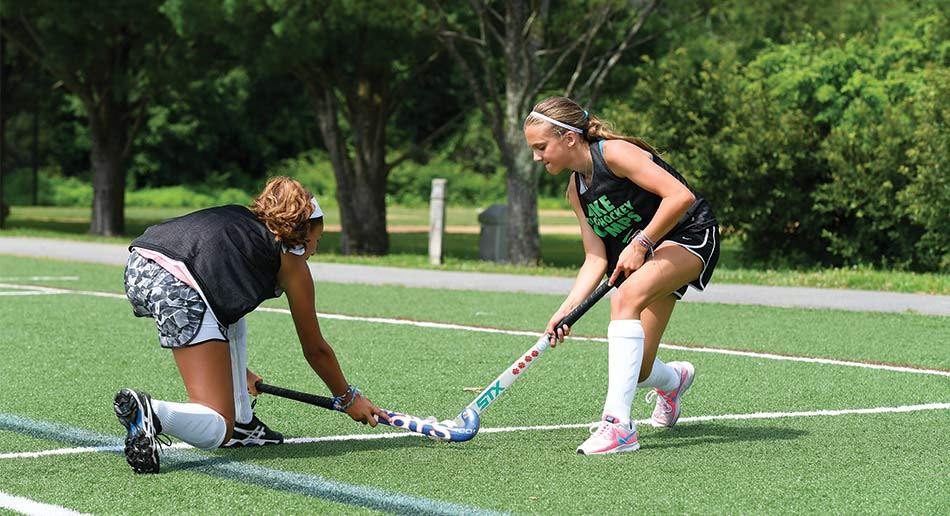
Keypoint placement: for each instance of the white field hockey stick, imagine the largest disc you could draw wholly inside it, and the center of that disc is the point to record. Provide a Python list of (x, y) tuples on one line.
[(508, 377)]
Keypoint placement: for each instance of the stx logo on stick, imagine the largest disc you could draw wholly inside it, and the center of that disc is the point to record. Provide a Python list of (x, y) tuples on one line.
[(493, 392)]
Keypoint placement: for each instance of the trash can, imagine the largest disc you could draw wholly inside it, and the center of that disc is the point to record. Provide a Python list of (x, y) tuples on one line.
[(493, 238)]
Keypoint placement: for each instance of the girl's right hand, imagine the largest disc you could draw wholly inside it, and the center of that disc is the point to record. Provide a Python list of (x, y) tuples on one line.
[(557, 335), (363, 411)]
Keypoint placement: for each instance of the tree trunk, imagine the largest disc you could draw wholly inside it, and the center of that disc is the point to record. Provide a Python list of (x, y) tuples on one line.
[(363, 217), (110, 135), (522, 174), (524, 246), (361, 180)]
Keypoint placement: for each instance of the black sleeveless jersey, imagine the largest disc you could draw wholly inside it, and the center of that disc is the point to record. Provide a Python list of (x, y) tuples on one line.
[(231, 254), (616, 207)]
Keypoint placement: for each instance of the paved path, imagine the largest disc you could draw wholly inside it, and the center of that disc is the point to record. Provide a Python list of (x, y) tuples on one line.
[(840, 299)]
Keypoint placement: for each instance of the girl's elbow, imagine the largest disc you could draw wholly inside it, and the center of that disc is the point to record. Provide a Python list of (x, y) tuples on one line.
[(689, 198)]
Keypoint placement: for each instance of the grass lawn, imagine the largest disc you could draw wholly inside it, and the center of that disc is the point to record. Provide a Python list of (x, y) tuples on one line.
[(561, 253)]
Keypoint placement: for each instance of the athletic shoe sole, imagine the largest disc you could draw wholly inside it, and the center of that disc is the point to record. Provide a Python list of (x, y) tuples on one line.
[(141, 450), (253, 442), (620, 449)]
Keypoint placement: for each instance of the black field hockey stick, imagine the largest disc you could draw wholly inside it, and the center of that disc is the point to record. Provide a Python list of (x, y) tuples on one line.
[(508, 377), (451, 431)]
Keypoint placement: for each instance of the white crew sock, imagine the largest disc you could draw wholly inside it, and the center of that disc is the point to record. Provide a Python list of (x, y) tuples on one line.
[(237, 336), (197, 425), (662, 377), (625, 353)]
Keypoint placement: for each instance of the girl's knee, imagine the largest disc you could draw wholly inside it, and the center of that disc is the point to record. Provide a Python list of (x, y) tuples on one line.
[(627, 304)]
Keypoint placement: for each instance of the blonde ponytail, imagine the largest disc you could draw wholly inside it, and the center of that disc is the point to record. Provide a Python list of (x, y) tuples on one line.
[(570, 113)]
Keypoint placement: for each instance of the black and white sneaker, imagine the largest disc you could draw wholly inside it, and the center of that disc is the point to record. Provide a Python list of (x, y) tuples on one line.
[(134, 410), (253, 433)]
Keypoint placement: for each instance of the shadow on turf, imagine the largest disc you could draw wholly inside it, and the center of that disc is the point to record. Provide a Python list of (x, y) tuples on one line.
[(322, 449), (713, 433), (703, 434)]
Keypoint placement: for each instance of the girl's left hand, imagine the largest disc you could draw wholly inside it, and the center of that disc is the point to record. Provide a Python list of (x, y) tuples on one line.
[(631, 259), (252, 380)]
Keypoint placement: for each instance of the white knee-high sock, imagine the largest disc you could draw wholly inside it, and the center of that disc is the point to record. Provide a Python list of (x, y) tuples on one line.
[(197, 425), (662, 377), (237, 336), (625, 353)]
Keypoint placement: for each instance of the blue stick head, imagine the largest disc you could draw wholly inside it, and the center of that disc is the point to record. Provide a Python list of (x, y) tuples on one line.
[(468, 428), (449, 431)]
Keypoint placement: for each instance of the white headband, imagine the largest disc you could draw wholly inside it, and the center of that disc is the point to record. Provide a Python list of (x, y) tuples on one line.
[(317, 212), (555, 122)]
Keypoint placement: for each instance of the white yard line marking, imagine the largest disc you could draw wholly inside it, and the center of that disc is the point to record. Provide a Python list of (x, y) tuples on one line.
[(395, 434), (27, 506), (39, 278), (698, 349), (354, 495), (482, 329), (29, 293)]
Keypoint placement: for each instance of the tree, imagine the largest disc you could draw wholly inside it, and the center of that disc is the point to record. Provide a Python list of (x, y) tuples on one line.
[(356, 59), (113, 57), (510, 52)]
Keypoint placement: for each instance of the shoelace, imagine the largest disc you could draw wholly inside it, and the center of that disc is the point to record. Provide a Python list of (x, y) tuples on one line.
[(149, 428), (601, 428), (162, 443), (664, 403)]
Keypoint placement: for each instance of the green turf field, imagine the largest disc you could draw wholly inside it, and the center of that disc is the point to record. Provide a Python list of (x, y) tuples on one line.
[(793, 411)]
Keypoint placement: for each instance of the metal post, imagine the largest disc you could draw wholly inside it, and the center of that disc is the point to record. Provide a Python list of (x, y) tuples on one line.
[(436, 220)]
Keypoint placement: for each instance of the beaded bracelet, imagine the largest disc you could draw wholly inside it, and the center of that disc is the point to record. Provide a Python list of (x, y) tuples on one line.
[(641, 238), (338, 400)]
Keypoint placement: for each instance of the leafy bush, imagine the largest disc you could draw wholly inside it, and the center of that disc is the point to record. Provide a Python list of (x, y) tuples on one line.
[(819, 151), (67, 191), (186, 197), (313, 170), (410, 184), (52, 189)]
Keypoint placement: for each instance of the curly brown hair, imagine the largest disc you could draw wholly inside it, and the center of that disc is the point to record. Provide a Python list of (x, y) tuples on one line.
[(284, 207)]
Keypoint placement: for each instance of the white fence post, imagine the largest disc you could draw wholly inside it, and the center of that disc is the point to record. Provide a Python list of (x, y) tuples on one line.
[(436, 220)]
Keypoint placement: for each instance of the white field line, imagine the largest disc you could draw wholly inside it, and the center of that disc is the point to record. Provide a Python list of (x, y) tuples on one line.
[(39, 278), (699, 349), (29, 293), (482, 329), (27, 506), (250, 474), (537, 428)]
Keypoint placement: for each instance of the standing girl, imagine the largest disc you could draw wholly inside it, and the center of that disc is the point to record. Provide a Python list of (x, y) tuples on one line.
[(198, 276), (640, 220)]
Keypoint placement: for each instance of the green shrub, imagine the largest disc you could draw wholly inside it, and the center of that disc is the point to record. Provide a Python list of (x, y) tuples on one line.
[(168, 197), (410, 184), (819, 151), (67, 191), (185, 197), (52, 188), (313, 170)]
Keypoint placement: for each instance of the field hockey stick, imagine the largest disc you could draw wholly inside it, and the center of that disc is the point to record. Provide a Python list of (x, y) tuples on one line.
[(508, 377), (450, 431)]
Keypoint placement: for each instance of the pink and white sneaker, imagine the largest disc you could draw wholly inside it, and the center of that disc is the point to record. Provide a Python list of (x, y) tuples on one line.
[(610, 436), (667, 410)]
